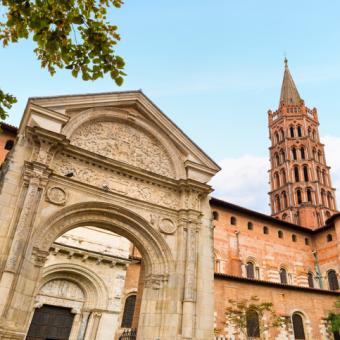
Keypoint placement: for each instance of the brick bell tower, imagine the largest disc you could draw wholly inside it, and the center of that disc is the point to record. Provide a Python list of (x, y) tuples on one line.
[(301, 188)]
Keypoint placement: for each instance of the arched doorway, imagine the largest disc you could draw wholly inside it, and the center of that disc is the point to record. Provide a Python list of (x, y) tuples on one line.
[(115, 162), (155, 252), (72, 292)]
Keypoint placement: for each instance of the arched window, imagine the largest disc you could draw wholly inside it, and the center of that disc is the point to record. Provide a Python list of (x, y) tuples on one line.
[(215, 215), (299, 332), (298, 196), (129, 309), (265, 230), (253, 324), (318, 171), (328, 214), (284, 217), (305, 173), (323, 197), (314, 134), (250, 268), (299, 130), (330, 200), (329, 238), (292, 134), (9, 145), (281, 134), (280, 234), (303, 153), (277, 203), (284, 200), (324, 177), (276, 180), (277, 159), (250, 226), (283, 276), (283, 176), (309, 131), (294, 154), (310, 277), (276, 137), (332, 280), (306, 241), (233, 220), (296, 174), (309, 195), (294, 238), (282, 156), (315, 154)]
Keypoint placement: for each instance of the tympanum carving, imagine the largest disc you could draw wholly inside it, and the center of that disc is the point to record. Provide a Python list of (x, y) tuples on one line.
[(124, 143)]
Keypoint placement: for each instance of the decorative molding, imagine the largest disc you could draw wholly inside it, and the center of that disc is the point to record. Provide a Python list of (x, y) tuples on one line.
[(167, 226), (39, 256), (125, 143), (114, 182), (155, 281), (56, 195), (85, 255)]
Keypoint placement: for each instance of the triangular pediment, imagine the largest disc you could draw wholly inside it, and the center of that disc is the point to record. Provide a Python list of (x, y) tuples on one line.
[(92, 111)]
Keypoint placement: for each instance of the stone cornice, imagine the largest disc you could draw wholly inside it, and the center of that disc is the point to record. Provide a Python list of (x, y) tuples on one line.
[(71, 251), (278, 285), (46, 135), (114, 165)]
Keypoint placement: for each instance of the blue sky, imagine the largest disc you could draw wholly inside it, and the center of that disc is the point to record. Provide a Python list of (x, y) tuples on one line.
[(214, 68)]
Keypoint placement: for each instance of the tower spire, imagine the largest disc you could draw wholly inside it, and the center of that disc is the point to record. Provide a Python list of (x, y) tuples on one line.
[(301, 186), (289, 92)]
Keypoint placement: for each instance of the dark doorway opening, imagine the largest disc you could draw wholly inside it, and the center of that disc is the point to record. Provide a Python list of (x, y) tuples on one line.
[(50, 323)]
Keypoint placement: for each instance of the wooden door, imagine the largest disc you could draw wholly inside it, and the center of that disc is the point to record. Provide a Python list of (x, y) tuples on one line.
[(50, 323)]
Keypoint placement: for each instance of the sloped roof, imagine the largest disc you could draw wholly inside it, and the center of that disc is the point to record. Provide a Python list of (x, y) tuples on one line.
[(289, 93)]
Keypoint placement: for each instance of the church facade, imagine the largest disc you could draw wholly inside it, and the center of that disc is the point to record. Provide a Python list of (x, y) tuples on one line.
[(108, 228)]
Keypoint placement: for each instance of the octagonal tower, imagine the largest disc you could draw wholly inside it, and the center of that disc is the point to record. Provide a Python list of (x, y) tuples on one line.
[(301, 188)]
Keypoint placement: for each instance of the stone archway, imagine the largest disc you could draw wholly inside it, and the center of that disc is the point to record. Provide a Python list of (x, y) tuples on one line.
[(156, 254), (113, 161), (80, 289)]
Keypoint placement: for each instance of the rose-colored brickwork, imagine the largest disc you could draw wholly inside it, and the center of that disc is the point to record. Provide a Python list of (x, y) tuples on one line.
[(7, 137), (301, 187)]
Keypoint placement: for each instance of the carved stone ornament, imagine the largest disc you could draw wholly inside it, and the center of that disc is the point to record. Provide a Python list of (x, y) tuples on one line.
[(56, 195), (90, 174), (166, 226), (124, 143), (155, 281), (39, 257)]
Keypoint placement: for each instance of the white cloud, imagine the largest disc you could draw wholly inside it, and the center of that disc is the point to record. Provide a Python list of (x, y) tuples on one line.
[(244, 180)]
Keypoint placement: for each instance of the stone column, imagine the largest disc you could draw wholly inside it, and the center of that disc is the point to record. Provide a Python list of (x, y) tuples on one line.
[(76, 324), (20, 238), (190, 282), (83, 325), (92, 331), (23, 227)]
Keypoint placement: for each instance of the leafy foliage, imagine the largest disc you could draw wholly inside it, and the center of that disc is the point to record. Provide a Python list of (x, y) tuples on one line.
[(334, 318), (71, 34), (238, 311), (6, 102)]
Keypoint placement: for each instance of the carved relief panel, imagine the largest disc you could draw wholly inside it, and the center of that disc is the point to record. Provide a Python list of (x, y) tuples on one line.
[(124, 143), (112, 181), (63, 289)]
